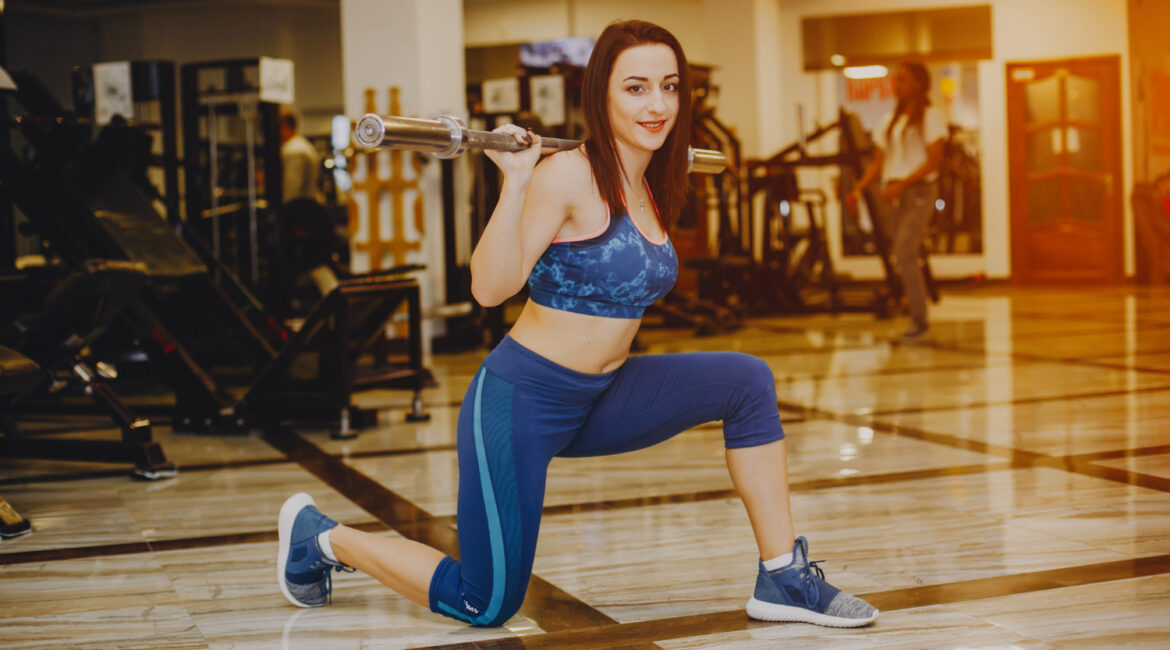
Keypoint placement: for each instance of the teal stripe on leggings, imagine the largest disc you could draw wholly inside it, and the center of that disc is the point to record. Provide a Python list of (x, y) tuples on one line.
[(495, 531)]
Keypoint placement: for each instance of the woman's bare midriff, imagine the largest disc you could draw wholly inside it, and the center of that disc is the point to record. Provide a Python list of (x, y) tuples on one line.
[(589, 344)]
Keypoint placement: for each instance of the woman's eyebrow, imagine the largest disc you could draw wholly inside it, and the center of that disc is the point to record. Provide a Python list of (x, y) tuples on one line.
[(637, 78)]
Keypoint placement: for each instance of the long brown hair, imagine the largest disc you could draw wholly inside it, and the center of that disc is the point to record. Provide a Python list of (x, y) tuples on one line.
[(667, 172), (917, 108)]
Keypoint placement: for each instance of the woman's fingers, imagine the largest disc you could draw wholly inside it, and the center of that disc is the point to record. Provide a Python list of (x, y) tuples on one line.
[(518, 161), (522, 136)]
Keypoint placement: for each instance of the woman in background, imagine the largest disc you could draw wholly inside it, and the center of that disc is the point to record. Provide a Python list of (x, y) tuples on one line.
[(907, 154)]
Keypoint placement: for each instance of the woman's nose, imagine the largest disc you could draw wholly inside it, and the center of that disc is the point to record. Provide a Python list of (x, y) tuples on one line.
[(658, 102)]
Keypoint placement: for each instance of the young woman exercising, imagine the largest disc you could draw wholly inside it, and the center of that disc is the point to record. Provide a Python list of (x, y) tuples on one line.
[(586, 230)]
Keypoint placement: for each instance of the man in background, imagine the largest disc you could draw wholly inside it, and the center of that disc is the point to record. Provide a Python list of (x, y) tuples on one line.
[(300, 160)]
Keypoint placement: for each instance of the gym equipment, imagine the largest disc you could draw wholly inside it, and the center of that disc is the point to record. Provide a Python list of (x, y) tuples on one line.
[(18, 373), (793, 270), (229, 136), (448, 137), (155, 113), (957, 225), (232, 366), (78, 311)]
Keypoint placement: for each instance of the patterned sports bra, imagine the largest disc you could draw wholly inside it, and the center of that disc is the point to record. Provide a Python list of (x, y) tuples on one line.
[(616, 273)]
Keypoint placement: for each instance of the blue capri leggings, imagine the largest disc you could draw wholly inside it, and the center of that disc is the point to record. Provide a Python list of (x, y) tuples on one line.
[(522, 410)]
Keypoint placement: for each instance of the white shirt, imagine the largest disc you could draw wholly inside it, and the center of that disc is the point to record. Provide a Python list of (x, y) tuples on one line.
[(906, 152), (301, 161)]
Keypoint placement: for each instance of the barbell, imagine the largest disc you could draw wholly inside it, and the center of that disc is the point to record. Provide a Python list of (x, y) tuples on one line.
[(448, 137)]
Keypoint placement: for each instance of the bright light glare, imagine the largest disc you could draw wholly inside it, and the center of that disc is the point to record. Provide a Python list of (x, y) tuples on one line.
[(866, 72), (939, 204), (837, 60)]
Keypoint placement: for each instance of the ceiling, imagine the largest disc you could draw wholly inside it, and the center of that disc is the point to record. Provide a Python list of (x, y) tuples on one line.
[(84, 8)]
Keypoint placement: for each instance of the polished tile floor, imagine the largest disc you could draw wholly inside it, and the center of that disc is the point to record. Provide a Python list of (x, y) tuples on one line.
[(1006, 484)]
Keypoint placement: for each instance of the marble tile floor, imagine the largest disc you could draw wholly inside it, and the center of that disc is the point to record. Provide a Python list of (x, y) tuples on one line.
[(1005, 484)]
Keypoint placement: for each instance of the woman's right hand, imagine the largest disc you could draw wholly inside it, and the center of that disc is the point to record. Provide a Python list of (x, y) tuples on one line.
[(852, 200), (514, 163)]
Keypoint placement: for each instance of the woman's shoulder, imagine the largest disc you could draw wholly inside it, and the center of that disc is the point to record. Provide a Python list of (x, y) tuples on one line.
[(565, 170), (933, 112), (568, 160), (935, 124)]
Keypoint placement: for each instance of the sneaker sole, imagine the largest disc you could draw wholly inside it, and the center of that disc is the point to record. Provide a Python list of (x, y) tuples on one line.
[(17, 531), (288, 515), (775, 613)]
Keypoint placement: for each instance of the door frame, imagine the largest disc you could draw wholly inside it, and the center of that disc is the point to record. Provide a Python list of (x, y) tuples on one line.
[(1114, 163)]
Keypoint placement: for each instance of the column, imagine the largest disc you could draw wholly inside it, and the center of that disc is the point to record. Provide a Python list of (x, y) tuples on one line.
[(416, 46)]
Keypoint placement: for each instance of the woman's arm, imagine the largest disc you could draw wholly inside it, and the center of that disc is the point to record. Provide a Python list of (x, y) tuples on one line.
[(527, 217), (934, 154), (871, 172)]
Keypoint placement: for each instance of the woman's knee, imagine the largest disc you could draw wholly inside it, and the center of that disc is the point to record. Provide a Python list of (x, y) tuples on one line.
[(452, 595), (506, 612), (755, 417), (486, 613), (756, 376)]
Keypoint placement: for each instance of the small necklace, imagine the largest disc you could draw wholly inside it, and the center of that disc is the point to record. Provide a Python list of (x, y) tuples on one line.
[(642, 204)]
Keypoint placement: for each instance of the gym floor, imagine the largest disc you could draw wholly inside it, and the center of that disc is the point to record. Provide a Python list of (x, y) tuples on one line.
[(1005, 484)]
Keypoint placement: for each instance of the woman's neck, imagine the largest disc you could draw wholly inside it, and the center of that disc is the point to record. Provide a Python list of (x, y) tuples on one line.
[(634, 162)]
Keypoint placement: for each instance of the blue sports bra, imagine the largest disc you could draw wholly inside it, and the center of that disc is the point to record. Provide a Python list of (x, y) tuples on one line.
[(616, 273)]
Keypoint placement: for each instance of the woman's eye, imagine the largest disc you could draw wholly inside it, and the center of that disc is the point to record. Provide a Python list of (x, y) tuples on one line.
[(637, 88), (670, 87)]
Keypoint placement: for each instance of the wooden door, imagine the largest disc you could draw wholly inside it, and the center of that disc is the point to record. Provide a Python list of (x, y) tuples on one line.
[(1064, 161)]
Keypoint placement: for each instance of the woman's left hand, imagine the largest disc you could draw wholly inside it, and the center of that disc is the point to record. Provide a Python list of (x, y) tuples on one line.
[(892, 191)]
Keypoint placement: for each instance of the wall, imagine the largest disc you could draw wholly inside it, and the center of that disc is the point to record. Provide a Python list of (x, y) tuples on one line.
[(49, 47), (1149, 75), (1022, 30)]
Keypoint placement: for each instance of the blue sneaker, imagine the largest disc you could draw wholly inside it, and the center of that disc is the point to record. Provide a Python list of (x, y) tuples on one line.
[(798, 592), (304, 573)]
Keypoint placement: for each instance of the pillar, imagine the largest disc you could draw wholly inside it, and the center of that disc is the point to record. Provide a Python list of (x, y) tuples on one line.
[(416, 46)]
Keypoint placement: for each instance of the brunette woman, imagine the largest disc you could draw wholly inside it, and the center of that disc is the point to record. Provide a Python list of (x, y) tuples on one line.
[(585, 230)]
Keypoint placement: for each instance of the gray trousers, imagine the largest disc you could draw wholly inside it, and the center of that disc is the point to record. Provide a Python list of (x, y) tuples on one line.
[(906, 222)]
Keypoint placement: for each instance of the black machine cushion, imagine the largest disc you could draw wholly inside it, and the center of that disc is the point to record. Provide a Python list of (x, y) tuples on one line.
[(17, 372)]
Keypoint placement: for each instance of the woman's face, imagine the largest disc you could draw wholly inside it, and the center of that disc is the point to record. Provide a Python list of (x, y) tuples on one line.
[(643, 96), (905, 85)]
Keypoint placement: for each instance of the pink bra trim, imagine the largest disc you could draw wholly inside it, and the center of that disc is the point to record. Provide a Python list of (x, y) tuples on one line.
[(608, 217), (584, 237), (653, 204)]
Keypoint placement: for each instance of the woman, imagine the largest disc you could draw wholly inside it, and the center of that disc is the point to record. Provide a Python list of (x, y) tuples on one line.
[(560, 384), (909, 149)]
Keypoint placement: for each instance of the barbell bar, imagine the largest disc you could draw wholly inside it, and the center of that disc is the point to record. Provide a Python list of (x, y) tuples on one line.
[(448, 137)]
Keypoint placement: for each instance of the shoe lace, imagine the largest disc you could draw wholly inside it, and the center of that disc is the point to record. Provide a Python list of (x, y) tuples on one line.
[(812, 593), (340, 568)]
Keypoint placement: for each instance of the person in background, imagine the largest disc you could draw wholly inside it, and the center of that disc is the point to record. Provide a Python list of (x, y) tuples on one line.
[(906, 155), (300, 160)]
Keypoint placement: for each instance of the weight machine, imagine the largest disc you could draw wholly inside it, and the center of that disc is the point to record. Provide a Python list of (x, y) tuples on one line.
[(230, 370), (791, 270)]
